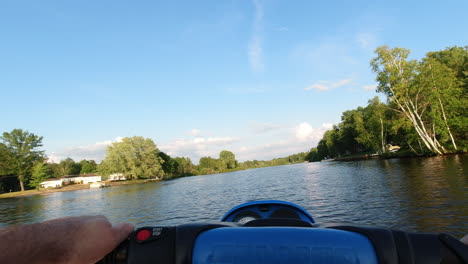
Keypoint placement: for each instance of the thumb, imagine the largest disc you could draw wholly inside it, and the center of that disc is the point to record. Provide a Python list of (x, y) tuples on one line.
[(122, 231), (464, 240)]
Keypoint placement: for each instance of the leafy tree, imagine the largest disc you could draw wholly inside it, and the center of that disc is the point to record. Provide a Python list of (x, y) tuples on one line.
[(104, 169), (69, 167), (184, 167), (135, 157), (422, 93), (6, 161), (456, 58), (444, 93), (88, 166), (229, 158), (322, 148), (40, 172), (23, 150), (207, 163), (372, 126), (168, 165), (313, 155), (55, 170)]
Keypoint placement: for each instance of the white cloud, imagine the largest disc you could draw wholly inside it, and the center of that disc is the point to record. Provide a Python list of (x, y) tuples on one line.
[(197, 147), (195, 132), (277, 149), (53, 158), (327, 125), (94, 151), (370, 87), (255, 49), (318, 86), (341, 83), (300, 138), (286, 141), (327, 85), (305, 132)]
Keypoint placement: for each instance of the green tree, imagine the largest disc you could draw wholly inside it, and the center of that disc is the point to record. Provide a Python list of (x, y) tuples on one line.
[(104, 169), (229, 158), (444, 92), (55, 170), (313, 155), (184, 166), (6, 161), (135, 157), (40, 172), (372, 126), (168, 165), (456, 58), (332, 142), (209, 165), (420, 91), (23, 150), (88, 166), (69, 167)]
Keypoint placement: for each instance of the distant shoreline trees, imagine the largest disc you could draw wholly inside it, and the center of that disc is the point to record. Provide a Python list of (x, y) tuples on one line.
[(425, 113), (133, 157)]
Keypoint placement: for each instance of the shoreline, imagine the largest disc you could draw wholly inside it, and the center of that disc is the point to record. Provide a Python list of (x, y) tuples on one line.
[(77, 187), (390, 155), (70, 188)]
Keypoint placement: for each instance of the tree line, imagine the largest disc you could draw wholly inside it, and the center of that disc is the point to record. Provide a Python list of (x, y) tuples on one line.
[(23, 165), (425, 108)]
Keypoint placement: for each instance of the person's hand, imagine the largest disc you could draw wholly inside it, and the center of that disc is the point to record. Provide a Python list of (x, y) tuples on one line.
[(464, 240), (77, 240), (88, 239)]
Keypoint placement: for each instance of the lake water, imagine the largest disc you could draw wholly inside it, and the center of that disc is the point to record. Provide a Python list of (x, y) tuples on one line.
[(427, 194)]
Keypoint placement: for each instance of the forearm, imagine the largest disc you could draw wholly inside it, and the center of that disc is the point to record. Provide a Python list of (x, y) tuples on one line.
[(80, 240), (33, 243)]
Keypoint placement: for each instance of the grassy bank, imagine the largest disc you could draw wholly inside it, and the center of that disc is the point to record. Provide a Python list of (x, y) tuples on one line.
[(68, 188)]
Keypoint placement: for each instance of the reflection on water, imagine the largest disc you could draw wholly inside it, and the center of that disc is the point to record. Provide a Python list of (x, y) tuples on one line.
[(429, 194)]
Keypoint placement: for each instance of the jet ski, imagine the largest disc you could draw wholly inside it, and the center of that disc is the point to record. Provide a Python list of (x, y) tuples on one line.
[(274, 231)]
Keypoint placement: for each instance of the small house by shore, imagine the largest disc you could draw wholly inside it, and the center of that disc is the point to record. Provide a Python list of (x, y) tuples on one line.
[(52, 183), (81, 179), (76, 179), (117, 177)]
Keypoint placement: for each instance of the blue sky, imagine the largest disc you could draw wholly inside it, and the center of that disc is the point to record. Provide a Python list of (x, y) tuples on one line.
[(261, 78)]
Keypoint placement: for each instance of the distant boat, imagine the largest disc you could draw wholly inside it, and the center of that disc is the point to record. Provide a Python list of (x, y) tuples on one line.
[(98, 185), (393, 148)]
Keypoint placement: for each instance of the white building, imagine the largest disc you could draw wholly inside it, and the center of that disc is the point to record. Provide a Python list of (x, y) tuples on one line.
[(82, 179), (117, 177), (52, 183)]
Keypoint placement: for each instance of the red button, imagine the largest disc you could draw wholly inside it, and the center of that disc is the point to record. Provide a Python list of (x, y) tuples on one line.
[(143, 234)]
